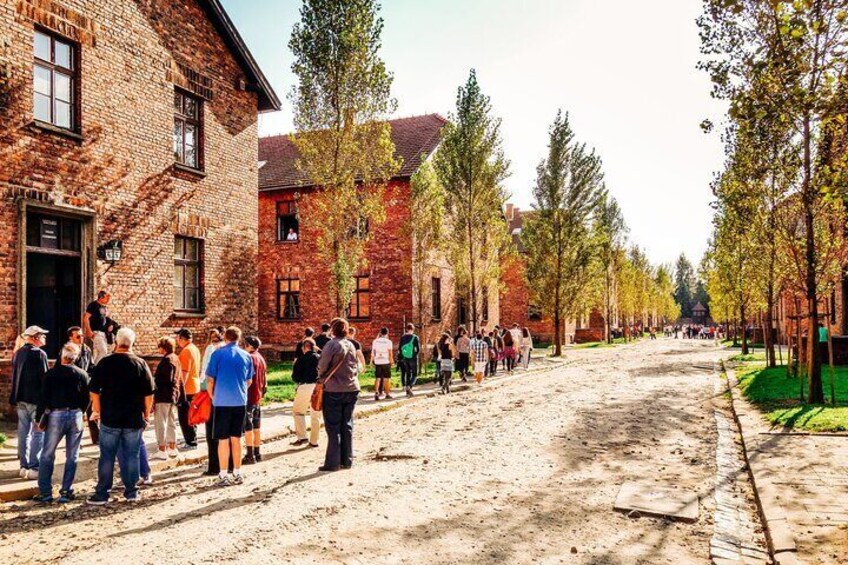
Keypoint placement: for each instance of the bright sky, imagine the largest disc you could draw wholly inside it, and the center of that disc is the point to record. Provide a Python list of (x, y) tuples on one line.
[(624, 70)]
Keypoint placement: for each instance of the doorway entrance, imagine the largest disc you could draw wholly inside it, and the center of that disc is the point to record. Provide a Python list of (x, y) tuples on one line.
[(53, 276)]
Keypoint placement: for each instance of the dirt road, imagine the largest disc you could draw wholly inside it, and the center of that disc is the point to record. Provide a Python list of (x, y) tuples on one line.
[(521, 471)]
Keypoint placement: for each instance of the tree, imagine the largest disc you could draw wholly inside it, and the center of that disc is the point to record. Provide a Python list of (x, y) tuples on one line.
[(558, 238), (425, 227), (684, 285), (345, 146), (799, 47), (610, 234), (471, 166)]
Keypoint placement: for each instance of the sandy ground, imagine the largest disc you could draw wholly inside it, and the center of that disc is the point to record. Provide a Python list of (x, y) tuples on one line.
[(521, 471)]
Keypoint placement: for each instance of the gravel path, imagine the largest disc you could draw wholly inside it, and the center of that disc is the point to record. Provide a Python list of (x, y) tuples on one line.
[(520, 471)]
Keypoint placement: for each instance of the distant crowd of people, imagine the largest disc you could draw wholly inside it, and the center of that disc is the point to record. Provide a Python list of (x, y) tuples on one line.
[(114, 390)]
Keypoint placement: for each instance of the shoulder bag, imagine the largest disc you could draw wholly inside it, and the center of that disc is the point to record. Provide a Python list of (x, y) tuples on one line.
[(317, 400)]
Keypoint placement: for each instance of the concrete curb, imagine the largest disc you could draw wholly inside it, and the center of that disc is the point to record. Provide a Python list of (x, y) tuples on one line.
[(25, 491), (781, 542)]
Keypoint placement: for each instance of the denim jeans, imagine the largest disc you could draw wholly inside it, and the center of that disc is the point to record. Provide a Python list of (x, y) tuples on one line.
[(122, 443), (62, 424), (30, 438), (143, 459), (338, 421), (408, 372)]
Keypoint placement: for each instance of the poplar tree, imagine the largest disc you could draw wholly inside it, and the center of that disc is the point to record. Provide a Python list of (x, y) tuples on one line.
[(610, 234), (344, 143), (558, 237), (471, 166)]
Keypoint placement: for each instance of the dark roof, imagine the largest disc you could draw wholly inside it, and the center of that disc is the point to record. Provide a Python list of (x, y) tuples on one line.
[(515, 222), (268, 99), (699, 306), (415, 139)]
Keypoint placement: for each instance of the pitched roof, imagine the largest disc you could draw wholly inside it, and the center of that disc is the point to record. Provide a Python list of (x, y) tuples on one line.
[(268, 99), (415, 139)]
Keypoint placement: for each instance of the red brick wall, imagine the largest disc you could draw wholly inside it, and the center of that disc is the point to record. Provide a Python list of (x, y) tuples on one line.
[(388, 266), (122, 169)]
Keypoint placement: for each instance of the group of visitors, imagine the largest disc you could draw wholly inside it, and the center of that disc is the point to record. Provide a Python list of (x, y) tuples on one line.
[(115, 391), (698, 331)]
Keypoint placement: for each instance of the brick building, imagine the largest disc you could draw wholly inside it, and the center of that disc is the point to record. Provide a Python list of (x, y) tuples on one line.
[(127, 125), (515, 304), (293, 292)]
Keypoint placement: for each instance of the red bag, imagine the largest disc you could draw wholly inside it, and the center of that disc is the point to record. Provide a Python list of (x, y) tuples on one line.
[(200, 409)]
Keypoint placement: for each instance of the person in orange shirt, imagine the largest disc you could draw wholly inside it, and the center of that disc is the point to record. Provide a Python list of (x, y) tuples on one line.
[(190, 363)]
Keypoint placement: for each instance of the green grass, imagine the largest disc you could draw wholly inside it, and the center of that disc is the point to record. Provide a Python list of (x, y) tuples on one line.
[(778, 396), (753, 356), (600, 344), (729, 343), (281, 388), (3, 439)]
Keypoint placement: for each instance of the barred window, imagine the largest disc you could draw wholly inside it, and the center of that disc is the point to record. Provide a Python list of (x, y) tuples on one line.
[(288, 299), (360, 304)]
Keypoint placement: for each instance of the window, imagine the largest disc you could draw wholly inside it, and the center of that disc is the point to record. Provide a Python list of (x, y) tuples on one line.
[(359, 228), (436, 297), (54, 81), (288, 224), (360, 304), (534, 312), (51, 232), (188, 263), (188, 131), (288, 299)]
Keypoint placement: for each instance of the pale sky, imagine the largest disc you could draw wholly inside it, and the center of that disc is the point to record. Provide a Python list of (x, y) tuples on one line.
[(623, 69)]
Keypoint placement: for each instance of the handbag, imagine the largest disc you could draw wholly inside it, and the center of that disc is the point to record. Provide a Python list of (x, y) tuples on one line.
[(200, 409), (317, 400)]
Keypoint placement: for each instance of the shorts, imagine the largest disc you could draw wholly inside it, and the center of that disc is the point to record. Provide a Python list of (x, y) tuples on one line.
[(382, 371), (252, 417), (480, 366), (228, 421)]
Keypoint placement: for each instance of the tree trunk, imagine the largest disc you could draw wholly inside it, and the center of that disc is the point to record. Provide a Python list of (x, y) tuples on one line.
[(608, 315), (744, 328), (816, 392), (771, 361), (472, 267), (557, 334)]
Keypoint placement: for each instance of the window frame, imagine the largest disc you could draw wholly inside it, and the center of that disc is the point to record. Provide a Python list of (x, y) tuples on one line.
[(55, 68), (358, 291), (281, 315), (183, 262), (436, 298), (180, 117), (292, 205)]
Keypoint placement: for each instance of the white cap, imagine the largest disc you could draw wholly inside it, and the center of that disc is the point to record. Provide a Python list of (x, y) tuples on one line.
[(33, 331)]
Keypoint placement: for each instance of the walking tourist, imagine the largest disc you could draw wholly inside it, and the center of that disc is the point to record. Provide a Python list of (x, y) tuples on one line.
[(509, 351), (168, 380), (496, 351), (230, 374), (323, 338), (382, 357), (122, 394), (463, 350), (526, 347), (190, 362), (216, 341), (480, 355), (339, 373), (298, 349), (255, 393), (305, 375), (29, 366), (447, 353), (83, 361), (409, 348), (63, 400), (98, 326)]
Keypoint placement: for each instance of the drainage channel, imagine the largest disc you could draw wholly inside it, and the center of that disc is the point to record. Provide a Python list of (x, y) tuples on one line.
[(738, 533)]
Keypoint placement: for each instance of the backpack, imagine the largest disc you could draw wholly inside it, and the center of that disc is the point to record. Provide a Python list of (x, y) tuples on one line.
[(200, 409), (407, 350)]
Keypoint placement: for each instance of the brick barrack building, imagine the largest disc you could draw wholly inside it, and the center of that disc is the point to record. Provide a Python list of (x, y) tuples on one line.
[(126, 125), (293, 287)]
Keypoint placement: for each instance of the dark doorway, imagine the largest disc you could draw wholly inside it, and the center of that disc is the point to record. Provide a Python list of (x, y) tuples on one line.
[(53, 277)]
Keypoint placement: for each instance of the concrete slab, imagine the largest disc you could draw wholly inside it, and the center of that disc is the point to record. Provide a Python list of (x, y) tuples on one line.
[(656, 500)]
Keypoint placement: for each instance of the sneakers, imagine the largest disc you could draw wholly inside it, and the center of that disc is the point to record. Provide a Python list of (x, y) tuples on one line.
[(159, 456), (238, 479), (43, 498), (65, 497), (188, 446), (96, 500), (173, 453), (223, 481), (134, 499), (146, 481), (388, 397), (31, 474)]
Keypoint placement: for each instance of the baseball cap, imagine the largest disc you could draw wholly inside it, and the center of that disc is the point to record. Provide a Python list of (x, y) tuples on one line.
[(33, 331)]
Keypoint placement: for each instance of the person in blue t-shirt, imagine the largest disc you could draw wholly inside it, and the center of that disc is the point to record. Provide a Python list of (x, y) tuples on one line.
[(229, 373)]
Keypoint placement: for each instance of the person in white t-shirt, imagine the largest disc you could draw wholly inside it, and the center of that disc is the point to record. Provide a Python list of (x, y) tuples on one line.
[(382, 357)]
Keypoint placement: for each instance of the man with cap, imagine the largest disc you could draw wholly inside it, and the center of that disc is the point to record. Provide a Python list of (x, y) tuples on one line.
[(29, 365), (190, 361)]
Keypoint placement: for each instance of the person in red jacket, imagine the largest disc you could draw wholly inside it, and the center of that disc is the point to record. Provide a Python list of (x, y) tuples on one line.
[(255, 393)]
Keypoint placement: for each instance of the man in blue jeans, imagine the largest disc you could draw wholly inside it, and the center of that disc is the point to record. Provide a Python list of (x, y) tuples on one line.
[(29, 365), (122, 397), (64, 398)]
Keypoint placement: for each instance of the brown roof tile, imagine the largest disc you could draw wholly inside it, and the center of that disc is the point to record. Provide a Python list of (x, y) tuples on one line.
[(414, 138)]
